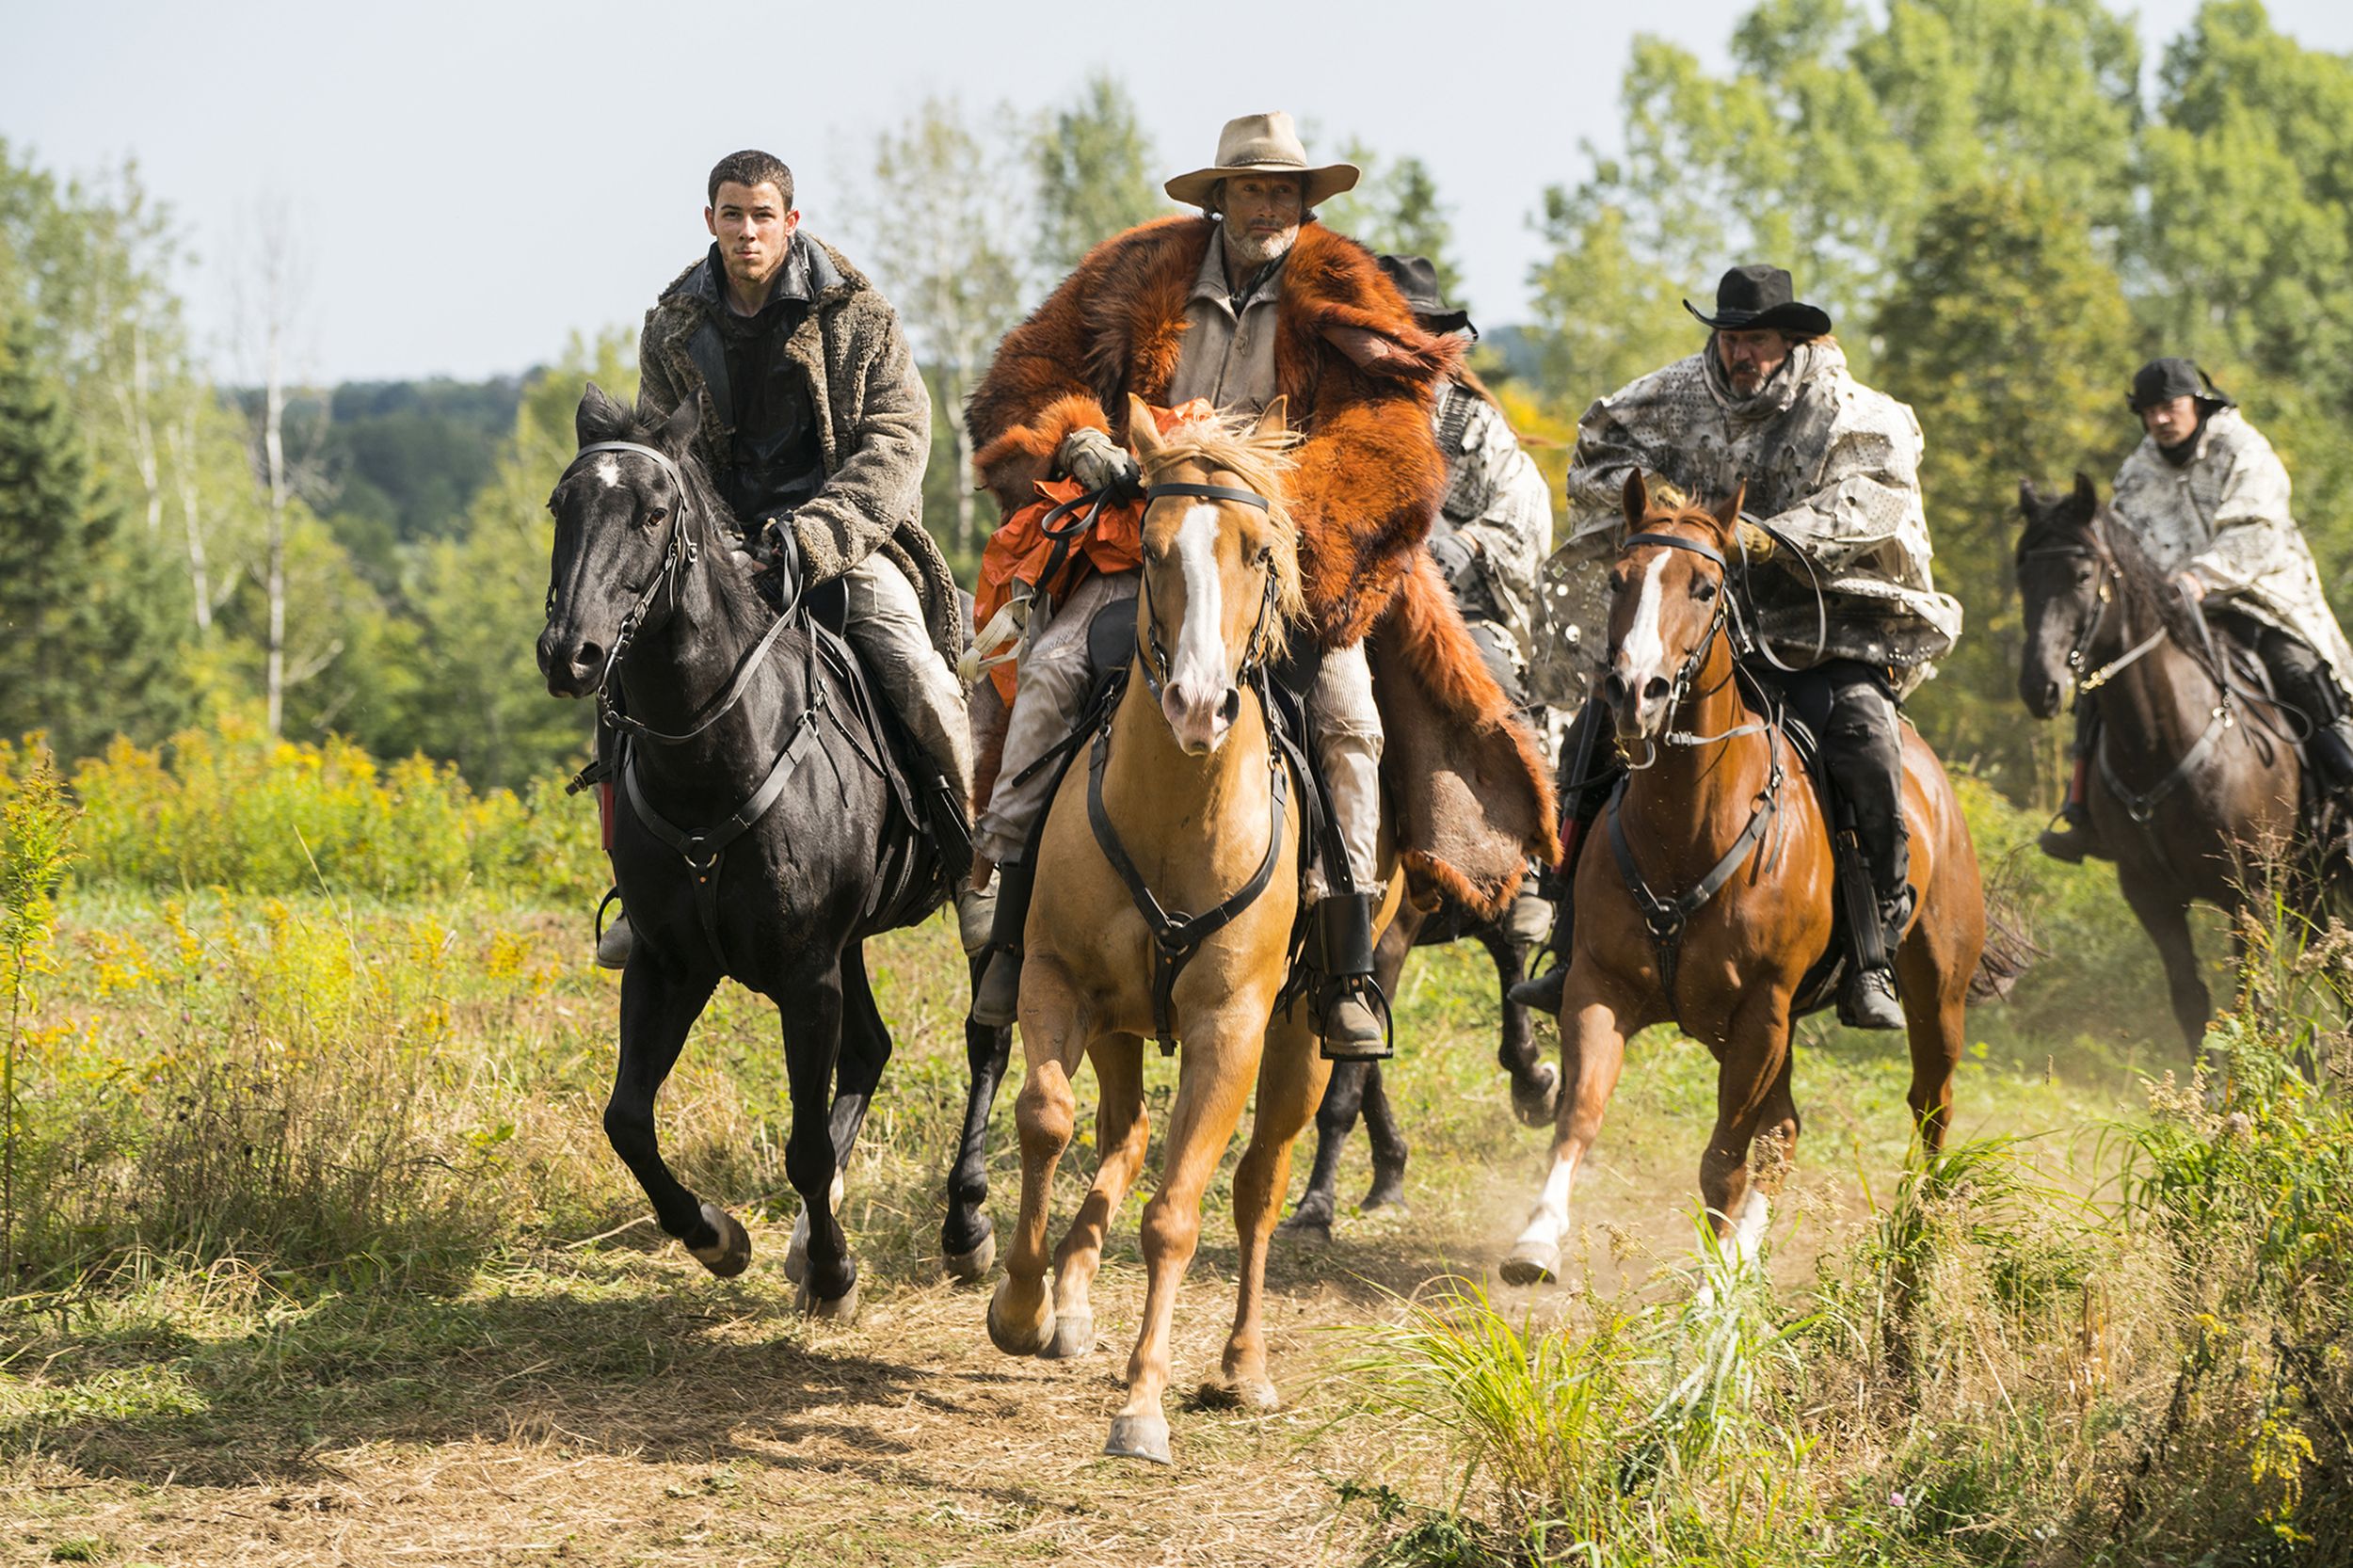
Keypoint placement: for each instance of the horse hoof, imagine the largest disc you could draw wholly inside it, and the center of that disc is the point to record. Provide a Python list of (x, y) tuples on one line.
[(1073, 1335), (732, 1252), (1530, 1263), (1250, 1393), (838, 1309), (970, 1267), (1390, 1198), (1020, 1338), (1540, 1106), (1315, 1228), (1139, 1437), (796, 1253)]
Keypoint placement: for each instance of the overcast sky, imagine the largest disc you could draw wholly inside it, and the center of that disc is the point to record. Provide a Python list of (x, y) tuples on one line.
[(474, 181)]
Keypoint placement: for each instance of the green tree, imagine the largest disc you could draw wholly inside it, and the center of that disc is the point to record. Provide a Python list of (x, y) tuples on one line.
[(1395, 209), (1094, 164), (2004, 331), (88, 637)]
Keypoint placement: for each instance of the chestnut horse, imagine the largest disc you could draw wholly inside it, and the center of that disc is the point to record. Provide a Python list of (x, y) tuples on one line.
[(1184, 802), (1712, 906)]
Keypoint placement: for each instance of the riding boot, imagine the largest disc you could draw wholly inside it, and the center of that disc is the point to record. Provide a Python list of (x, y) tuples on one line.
[(1862, 753), (1351, 1015), (996, 1001), (614, 941), (2304, 680), (2072, 837)]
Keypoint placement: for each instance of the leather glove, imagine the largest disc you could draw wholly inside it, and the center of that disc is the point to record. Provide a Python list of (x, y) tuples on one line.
[(1755, 542), (1098, 462), (1453, 555)]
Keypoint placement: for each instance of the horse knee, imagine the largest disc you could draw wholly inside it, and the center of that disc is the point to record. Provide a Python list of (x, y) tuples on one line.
[(1168, 1231), (629, 1128), (809, 1163)]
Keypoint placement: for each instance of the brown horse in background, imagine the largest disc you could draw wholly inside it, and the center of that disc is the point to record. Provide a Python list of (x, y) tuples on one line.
[(1189, 785), (1723, 834), (2191, 790)]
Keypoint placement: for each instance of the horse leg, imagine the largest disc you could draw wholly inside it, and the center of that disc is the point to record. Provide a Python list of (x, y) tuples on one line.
[(657, 1009), (1335, 1118), (1021, 1314), (1535, 1082), (1388, 1145), (1291, 1077), (2165, 915), (1593, 1051), (1752, 1100), (1123, 1130), (865, 1052), (1219, 1063), (812, 1161), (1936, 1009), (968, 1240)]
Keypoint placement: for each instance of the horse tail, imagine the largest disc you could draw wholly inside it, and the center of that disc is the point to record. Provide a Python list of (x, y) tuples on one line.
[(2010, 947)]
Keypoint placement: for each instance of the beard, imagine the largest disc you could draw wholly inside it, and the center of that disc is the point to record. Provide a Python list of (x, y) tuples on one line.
[(1250, 252)]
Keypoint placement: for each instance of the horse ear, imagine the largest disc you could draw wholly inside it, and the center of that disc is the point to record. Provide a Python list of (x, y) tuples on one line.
[(599, 417), (678, 431), (2030, 498), (1275, 419), (2087, 493), (1635, 497), (1727, 512), (1143, 431)]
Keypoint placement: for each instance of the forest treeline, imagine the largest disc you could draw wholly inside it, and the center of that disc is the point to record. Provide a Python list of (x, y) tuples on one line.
[(2004, 209)]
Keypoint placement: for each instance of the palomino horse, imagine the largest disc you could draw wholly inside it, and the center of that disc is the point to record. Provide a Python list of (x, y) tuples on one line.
[(1181, 805), (1713, 906), (792, 851), (2183, 787)]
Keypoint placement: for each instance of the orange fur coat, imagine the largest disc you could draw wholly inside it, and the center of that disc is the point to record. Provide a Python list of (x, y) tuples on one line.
[(1470, 794)]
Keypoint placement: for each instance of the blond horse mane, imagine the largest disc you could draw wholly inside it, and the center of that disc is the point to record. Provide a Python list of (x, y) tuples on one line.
[(1262, 461)]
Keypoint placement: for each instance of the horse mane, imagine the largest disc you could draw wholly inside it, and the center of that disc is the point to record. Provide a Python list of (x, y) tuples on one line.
[(1262, 461), (2148, 596)]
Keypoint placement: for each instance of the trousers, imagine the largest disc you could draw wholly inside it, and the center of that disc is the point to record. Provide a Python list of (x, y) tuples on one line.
[(1851, 709), (886, 625)]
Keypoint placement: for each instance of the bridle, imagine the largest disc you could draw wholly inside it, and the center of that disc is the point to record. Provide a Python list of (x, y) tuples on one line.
[(2087, 635), (1725, 619), (680, 553), (1156, 656)]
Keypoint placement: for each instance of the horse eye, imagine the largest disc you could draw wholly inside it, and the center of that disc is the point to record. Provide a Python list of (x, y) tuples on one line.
[(655, 517), (1703, 591)]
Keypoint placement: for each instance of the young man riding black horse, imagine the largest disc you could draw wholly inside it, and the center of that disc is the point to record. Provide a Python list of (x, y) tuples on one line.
[(1847, 617), (816, 428)]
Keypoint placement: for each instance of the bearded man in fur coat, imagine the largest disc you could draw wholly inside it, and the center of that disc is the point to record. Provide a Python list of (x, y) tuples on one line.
[(1252, 302)]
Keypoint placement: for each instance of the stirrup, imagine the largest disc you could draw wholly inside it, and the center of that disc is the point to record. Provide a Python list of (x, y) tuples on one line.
[(614, 942)]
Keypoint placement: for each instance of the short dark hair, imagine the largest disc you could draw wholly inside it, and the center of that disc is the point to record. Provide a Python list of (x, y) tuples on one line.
[(749, 168)]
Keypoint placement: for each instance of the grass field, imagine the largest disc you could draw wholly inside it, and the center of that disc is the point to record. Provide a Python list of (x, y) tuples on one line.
[(322, 1258)]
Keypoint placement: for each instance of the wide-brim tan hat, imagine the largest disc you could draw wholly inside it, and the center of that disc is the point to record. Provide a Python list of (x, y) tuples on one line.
[(1262, 144)]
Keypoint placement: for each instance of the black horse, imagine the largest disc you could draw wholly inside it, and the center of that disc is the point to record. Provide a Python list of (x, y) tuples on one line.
[(2194, 782), (1358, 1087), (757, 832)]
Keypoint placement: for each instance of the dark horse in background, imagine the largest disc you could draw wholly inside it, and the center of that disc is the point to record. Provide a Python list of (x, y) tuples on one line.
[(757, 834), (1358, 1088), (2194, 782)]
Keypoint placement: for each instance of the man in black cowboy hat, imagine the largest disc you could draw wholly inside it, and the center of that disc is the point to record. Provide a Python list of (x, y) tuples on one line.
[(2209, 501), (1843, 592)]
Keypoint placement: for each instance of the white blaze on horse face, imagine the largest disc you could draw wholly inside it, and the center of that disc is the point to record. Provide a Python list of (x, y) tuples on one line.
[(1195, 695), (1644, 653), (609, 471)]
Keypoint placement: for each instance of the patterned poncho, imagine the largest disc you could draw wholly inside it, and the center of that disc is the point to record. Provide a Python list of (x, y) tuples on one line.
[(1833, 470), (2224, 516)]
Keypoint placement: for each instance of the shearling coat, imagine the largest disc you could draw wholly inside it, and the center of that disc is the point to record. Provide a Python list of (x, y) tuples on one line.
[(872, 413), (1470, 795)]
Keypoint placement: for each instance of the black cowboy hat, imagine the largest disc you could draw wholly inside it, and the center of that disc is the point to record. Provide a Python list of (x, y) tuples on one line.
[(2163, 380), (1416, 279), (1757, 298)]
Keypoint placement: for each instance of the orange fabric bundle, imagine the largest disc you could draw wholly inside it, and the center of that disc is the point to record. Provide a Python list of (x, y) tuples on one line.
[(1019, 550)]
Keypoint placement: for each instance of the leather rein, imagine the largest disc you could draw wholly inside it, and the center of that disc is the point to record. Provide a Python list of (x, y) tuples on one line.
[(1666, 918), (1177, 937)]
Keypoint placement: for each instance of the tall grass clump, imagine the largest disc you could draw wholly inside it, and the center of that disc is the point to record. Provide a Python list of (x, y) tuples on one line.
[(231, 808), (36, 847)]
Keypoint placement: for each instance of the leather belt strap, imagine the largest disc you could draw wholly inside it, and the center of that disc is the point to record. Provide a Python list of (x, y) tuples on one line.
[(1667, 918)]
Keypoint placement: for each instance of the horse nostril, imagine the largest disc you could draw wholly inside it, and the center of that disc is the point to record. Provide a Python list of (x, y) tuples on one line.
[(587, 658), (1613, 688), (1231, 709), (1655, 689)]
